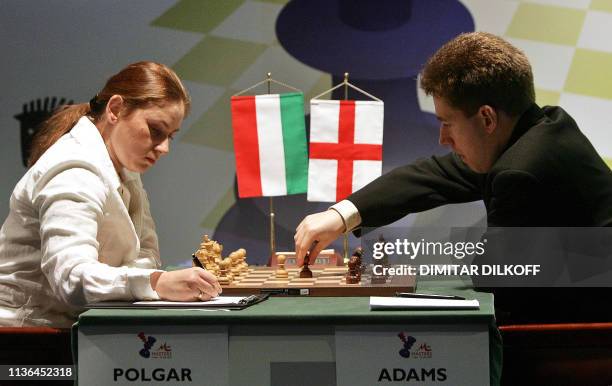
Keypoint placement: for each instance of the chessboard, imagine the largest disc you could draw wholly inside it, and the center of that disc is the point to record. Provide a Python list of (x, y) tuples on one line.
[(326, 281)]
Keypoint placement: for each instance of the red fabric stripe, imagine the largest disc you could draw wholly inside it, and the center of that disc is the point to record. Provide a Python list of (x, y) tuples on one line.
[(346, 136), (347, 151), (246, 146), (346, 123)]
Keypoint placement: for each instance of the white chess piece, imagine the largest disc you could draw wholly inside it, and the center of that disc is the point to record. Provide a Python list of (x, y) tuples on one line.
[(281, 272)]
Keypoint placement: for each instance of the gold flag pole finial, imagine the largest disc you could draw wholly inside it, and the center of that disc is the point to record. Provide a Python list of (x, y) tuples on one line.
[(346, 83)]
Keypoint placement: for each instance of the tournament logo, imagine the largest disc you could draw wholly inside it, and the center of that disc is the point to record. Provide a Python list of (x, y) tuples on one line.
[(408, 341), (148, 343), (422, 351), (164, 351)]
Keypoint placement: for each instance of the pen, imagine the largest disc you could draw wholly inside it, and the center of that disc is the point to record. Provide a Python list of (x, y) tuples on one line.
[(427, 296), (248, 299), (197, 261)]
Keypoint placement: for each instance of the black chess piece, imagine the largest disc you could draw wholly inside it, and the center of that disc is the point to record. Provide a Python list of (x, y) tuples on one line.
[(355, 267), (359, 254), (306, 273), (380, 265), (353, 276)]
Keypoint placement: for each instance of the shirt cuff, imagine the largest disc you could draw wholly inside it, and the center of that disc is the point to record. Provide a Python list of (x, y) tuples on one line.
[(139, 282), (349, 213)]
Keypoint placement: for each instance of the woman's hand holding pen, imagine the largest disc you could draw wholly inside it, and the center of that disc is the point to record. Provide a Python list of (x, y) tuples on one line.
[(186, 285)]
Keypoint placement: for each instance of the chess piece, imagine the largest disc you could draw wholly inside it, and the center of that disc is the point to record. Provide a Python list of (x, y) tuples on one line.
[(353, 276), (357, 254), (201, 256), (209, 254), (235, 259), (281, 272), (206, 242), (222, 277), (205, 246), (228, 268), (217, 249), (216, 266), (216, 257), (306, 273), (382, 264), (244, 266)]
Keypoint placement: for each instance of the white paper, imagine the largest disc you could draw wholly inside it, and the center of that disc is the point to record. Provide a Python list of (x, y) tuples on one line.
[(386, 303), (218, 301)]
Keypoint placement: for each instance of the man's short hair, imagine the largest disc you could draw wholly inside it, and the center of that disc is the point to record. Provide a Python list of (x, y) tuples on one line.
[(479, 68)]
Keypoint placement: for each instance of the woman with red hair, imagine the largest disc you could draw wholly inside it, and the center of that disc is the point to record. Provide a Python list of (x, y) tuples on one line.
[(79, 229)]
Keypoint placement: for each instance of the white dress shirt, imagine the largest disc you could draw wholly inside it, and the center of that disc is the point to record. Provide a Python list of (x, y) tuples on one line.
[(76, 233), (349, 213)]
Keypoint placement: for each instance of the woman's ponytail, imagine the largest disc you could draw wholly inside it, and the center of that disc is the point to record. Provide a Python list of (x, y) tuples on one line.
[(53, 128)]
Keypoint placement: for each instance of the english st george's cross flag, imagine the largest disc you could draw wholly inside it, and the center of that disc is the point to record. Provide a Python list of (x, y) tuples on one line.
[(270, 144), (345, 147)]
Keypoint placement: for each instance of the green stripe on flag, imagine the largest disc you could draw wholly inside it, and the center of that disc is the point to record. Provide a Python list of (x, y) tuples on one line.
[(294, 142)]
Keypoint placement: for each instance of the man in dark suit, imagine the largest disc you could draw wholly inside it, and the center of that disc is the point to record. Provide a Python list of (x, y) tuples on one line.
[(532, 166)]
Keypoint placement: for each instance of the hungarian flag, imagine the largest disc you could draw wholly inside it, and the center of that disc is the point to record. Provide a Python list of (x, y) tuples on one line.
[(345, 147), (270, 144)]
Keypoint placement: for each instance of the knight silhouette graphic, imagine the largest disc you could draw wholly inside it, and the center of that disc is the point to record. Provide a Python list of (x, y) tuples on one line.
[(30, 118)]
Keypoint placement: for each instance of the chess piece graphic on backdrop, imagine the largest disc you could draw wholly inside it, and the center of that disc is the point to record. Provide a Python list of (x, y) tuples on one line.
[(30, 118), (383, 45)]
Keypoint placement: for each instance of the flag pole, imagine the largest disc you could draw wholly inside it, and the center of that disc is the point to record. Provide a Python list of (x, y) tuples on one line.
[(345, 241), (272, 229), (268, 81)]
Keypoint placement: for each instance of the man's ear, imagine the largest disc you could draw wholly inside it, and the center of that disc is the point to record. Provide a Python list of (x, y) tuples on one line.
[(114, 108), (489, 118)]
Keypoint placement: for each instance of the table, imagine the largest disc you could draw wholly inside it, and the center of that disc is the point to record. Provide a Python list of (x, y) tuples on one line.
[(291, 341)]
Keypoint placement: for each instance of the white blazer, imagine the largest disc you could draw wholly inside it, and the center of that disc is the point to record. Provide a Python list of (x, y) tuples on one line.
[(75, 234)]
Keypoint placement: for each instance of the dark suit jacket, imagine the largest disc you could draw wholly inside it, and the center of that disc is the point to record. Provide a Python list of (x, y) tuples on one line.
[(549, 175)]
